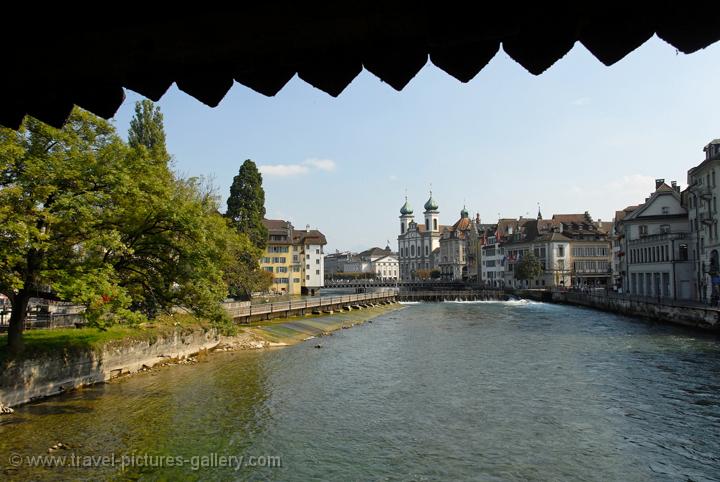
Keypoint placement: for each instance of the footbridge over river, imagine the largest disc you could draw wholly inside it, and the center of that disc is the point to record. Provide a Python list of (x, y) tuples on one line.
[(307, 306)]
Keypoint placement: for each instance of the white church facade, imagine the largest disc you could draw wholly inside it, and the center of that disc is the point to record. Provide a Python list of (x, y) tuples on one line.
[(417, 242)]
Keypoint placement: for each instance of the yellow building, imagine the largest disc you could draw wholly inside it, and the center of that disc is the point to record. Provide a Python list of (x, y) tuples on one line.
[(279, 255), (294, 257)]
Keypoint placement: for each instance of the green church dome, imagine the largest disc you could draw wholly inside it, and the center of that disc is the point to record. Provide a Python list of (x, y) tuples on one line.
[(431, 204), (406, 208)]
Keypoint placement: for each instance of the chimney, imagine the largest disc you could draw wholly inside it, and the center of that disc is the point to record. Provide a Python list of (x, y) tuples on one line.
[(659, 182), (675, 186), (477, 218)]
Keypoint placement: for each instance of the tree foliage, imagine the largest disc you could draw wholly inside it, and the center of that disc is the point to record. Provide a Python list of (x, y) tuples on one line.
[(88, 218), (246, 204), (529, 267), (147, 130)]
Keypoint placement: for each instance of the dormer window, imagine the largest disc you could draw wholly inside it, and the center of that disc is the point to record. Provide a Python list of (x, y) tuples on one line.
[(665, 210)]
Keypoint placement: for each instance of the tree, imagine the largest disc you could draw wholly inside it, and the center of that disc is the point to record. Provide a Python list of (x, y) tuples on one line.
[(55, 186), (435, 274), (529, 267), (423, 274), (85, 217), (246, 204), (147, 130)]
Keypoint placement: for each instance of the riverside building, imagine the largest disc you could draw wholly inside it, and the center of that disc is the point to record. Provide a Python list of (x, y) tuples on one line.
[(295, 258)]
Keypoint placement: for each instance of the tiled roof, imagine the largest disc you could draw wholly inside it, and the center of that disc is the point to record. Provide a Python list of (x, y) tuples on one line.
[(664, 188), (375, 251), (276, 224), (312, 236), (204, 51), (570, 218), (620, 215)]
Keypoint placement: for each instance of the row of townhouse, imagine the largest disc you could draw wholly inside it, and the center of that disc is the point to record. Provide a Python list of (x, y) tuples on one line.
[(295, 258), (667, 247), (573, 250)]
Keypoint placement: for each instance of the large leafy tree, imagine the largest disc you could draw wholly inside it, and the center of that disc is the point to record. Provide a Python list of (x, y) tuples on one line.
[(55, 186), (528, 268), (246, 204), (88, 218)]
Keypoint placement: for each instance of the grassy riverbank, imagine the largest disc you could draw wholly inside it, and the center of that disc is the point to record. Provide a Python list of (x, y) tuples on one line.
[(64, 342)]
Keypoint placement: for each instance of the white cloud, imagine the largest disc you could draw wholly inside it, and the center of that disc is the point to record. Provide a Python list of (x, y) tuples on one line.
[(581, 101), (322, 164), (283, 169)]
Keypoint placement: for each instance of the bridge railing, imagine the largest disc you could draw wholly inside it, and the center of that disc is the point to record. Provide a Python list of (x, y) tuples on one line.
[(280, 306)]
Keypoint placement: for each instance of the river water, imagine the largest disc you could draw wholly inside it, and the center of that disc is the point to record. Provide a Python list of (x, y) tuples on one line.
[(436, 391)]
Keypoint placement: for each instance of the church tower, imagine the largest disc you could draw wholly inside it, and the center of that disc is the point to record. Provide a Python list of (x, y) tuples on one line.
[(431, 215), (406, 216)]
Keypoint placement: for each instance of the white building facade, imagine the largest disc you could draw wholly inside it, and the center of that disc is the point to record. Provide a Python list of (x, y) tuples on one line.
[(310, 243), (655, 247)]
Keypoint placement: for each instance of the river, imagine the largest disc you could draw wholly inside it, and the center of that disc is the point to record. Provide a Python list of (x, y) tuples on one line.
[(435, 391)]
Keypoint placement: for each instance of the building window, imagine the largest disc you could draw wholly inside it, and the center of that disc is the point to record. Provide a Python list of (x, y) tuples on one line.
[(317, 261), (307, 277), (561, 251), (317, 271), (317, 251), (412, 250), (426, 251), (643, 230), (307, 266), (665, 210), (683, 252)]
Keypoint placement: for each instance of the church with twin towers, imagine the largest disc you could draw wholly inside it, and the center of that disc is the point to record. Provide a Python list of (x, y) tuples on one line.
[(418, 244)]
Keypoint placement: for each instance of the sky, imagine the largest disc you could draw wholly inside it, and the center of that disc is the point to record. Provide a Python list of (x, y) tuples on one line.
[(579, 137)]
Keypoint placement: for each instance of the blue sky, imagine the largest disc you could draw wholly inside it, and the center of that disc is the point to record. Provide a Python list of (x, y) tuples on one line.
[(580, 137)]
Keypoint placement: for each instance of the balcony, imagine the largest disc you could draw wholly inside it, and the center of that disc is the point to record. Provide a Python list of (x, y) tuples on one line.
[(705, 218), (593, 271), (705, 192), (654, 238)]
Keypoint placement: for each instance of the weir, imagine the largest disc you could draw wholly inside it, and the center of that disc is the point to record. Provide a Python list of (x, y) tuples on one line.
[(439, 296)]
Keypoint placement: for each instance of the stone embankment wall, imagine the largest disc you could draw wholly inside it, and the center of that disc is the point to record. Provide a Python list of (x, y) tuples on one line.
[(694, 316), (26, 380)]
